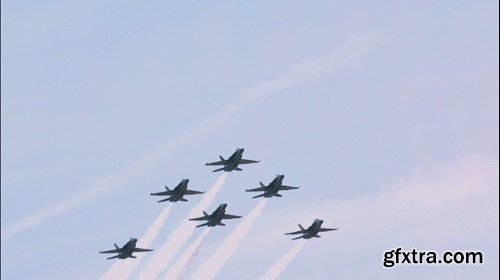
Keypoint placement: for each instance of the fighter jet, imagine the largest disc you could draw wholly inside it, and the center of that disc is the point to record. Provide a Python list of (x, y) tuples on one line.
[(126, 251), (216, 217), (311, 231), (273, 188), (232, 162), (177, 193)]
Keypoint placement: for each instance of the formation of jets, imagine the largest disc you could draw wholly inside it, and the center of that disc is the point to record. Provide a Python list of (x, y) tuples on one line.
[(219, 214)]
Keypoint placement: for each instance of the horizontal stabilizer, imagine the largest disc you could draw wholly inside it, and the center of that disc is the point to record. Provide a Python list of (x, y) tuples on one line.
[(133, 257), (221, 224), (278, 195), (166, 199), (113, 257), (260, 195), (218, 169), (202, 225), (238, 169), (297, 238)]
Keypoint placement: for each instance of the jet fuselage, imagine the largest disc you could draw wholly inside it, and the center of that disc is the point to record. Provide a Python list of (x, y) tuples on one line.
[(179, 191), (127, 249), (232, 161), (216, 216), (313, 230)]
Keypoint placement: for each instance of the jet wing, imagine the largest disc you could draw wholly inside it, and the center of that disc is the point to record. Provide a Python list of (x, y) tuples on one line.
[(204, 218), (283, 187), (297, 232), (192, 192), (261, 189), (162, 193), (245, 161), (110, 251), (221, 162), (227, 216), (326, 229), (142, 250)]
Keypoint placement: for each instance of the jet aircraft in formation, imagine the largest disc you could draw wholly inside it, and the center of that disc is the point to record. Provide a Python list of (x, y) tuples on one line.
[(232, 162), (273, 188), (177, 193), (312, 230), (216, 217), (126, 251), (219, 214)]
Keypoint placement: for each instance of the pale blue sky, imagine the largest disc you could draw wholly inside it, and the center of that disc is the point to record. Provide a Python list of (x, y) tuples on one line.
[(374, 97)]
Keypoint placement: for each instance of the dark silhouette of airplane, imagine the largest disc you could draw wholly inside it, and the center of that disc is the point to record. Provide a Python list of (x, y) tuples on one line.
[(177, 193), (311, 231), (216, 217), (126, 251), (232, 162)]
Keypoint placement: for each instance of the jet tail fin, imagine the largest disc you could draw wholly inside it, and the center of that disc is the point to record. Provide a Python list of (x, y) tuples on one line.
[(134, 257), (221, 158), (205, 213), (262, 185), (278, 195), (183, 199), (202, 225), (114, 257), (297, 238), (301, 228), (116, 246), (221, 224), (167, 188), (239, 169)]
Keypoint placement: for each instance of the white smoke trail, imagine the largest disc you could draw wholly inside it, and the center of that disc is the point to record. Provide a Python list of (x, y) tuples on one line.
[(179, 268), (174, 243), (275, 270), (122, 269), (212, 266), (296, 75)]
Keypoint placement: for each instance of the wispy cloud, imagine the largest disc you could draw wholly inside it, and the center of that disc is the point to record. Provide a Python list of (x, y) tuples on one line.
[(161, 260), (214, 264), (296, 75), (122, 269)]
